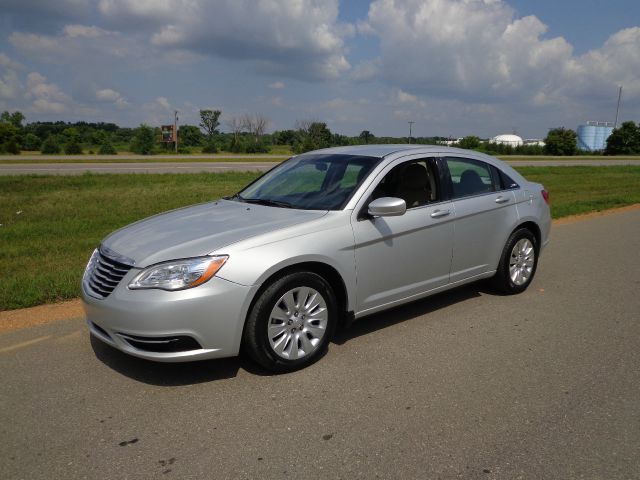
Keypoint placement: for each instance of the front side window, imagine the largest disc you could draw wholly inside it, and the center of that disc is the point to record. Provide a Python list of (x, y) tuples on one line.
[(310, 182), (414, 182), (468, 177)]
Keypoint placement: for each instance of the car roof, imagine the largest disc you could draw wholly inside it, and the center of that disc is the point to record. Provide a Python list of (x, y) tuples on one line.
[(381, 151), (400, 150)]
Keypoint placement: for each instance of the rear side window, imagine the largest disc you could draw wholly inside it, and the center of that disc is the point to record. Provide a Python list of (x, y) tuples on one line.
[(469, 177), (507, 182)]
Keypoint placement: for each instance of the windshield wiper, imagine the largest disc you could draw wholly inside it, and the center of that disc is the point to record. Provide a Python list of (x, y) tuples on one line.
[(268, 202), (235, 196)]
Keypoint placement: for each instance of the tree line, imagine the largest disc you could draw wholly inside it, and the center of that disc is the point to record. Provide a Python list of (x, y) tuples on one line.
[(247, 134)]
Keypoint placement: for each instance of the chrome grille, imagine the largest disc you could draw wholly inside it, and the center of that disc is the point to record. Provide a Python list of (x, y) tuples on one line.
[(104, 273)]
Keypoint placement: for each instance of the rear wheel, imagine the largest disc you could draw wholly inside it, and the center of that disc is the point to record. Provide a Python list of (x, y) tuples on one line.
[(518, 262), (291, 322)]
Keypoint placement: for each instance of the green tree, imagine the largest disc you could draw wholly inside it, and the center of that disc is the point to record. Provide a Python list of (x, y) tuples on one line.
[(209, 122), (50, 146), (624, 140), (285, 137), (210, 147), (366, 136), (98, 137), (144, 140), (560, 141), (9, 138), (16, 118), (107, 149), (31, 142), (469, 142), (72, 148), (312, 136), (190, 136)]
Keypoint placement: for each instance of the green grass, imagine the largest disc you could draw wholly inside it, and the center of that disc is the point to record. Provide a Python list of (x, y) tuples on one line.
[(43, 249), (576, 190)]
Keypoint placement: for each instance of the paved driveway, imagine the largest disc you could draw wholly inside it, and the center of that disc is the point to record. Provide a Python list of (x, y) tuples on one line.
[(463, 385)]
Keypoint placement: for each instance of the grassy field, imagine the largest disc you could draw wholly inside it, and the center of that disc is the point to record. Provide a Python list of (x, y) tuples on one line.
[(50, 224)]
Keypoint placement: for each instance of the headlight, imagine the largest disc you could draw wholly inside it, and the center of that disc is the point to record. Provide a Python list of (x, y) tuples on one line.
[(178, 274)]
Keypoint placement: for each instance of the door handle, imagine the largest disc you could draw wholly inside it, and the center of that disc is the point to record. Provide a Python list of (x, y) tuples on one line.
[(502, 199), (440, 213)]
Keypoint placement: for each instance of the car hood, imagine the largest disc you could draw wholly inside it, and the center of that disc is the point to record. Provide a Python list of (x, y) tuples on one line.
[(200, 229)]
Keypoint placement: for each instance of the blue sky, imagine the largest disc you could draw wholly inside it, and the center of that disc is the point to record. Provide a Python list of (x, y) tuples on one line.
[(455, 67)]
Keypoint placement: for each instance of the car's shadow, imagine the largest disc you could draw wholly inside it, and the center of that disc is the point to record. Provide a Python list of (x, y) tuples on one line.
[(379, 321), (189, 373)]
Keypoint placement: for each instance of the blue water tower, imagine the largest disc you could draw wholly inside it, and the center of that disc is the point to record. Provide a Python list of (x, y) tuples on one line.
[(592, 137)]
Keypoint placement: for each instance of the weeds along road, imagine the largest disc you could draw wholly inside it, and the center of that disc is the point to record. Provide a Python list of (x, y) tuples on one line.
[(462, 385), (197, 167)]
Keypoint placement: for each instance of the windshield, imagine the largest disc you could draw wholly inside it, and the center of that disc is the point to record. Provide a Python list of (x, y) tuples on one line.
[(310, 182)]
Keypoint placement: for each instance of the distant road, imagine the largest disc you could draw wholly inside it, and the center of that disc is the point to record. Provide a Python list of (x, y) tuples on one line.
[(147, 167), (197, 167)]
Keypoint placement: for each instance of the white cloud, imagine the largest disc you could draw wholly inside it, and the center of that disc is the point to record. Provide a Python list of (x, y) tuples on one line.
[(111, 96), (86, 31), (300, 37), (404, 97), (277, 85), (479, 51), (7, 63), (163, 102), (617, 62), (366, 70), (47, 97), (10, 85)]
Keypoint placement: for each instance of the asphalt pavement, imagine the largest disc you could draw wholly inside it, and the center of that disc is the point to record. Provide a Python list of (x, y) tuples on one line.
[(466, 384), (222, 166)]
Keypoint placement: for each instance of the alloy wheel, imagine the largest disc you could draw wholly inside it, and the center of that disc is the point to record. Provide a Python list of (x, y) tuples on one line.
[(297, 323)]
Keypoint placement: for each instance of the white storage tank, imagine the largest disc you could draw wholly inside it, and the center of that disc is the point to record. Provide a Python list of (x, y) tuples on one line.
[(508, 139)]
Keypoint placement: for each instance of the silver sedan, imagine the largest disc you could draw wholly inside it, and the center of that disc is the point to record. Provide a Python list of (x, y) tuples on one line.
[(322, 239)]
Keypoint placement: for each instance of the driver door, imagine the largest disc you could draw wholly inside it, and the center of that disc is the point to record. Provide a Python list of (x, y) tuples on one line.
[(401, 257)]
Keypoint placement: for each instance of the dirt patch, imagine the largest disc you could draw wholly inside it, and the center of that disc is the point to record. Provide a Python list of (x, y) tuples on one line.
[(586, 216), (30, 317)]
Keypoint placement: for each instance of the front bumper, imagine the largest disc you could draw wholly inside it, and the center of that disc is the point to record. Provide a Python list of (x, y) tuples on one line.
[(194, 324)]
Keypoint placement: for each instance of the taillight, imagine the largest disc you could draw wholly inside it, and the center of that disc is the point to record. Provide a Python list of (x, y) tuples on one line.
[(545, 195)]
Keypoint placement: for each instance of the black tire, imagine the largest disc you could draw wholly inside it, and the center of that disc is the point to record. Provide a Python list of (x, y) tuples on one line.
[(256, 342), (502, 280)]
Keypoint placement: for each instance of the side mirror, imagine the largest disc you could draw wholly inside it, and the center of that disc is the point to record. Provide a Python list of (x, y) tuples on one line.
[(387, 207)]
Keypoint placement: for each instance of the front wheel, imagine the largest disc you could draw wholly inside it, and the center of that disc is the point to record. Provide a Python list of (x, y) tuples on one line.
[(291, 322), (518, 263)]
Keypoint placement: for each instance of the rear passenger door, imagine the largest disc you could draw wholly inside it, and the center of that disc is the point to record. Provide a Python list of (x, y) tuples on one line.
[(485, 213)]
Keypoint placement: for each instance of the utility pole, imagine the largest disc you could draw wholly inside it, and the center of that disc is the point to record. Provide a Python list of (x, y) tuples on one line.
[(175, 129), (615, 125), (410, 127)]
